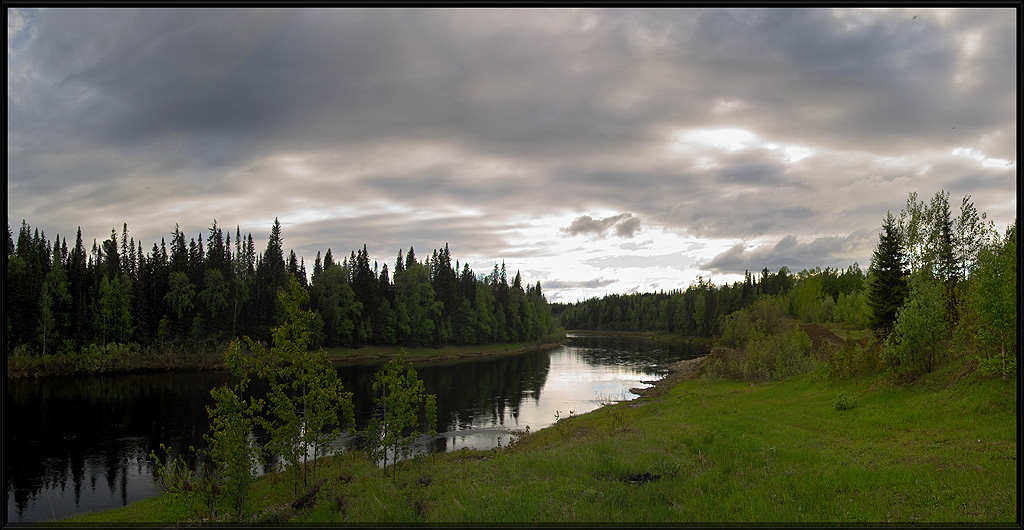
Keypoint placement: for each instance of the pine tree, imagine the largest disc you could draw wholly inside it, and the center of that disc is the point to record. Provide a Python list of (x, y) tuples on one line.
[(887, 287)]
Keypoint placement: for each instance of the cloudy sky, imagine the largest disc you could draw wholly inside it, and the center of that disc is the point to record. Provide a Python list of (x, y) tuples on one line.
[(596, 151)]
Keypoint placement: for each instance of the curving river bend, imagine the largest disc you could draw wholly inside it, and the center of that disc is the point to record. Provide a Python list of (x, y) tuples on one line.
[(80, 444)]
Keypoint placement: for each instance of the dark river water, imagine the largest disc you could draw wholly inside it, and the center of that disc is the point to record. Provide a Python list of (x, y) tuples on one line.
[(80, 444)]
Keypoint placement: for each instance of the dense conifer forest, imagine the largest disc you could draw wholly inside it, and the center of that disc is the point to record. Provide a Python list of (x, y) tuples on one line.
[(196, 293)]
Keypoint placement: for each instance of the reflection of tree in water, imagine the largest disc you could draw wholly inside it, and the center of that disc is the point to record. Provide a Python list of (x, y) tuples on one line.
[(633, 352), (463, 389), (77, 433), (52, 424)]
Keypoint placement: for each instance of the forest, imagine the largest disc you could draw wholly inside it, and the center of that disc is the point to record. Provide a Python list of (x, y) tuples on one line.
[(938, 284), (198, 294), (698, 310), (936, 279)]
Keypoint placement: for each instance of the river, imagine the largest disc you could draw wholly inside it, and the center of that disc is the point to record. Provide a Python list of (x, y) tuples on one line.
[(80, 444)]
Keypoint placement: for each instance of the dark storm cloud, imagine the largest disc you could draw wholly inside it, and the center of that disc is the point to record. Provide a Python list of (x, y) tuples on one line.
[(623, 225), (433, 125), (793, 254)]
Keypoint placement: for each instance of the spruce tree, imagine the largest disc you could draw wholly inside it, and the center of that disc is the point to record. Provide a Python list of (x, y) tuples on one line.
[(887, 288)]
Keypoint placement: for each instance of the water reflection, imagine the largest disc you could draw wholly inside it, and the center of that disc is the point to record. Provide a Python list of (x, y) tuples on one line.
[(77, 444)]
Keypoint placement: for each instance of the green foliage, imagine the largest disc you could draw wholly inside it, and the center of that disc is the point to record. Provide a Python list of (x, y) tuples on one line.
[(852, 359), (993, 302), (335, 304), (852, 310), (415, 306), (764, 357), (887, 284), (305, 395), (761, 318), (213, 300), (736, 329), (913, 346), (180, 294), (194, 491), (808, 302), (400, 395), (55, 296), (697, 310), (233, 453), (844, 401), (114, 315)]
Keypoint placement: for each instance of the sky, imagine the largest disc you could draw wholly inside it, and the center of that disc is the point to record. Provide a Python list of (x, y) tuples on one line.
[(594, 150)]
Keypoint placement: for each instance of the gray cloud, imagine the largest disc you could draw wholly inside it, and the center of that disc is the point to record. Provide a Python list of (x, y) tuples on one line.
[(589, 284), (397, 127), (623, 225), (789, 252), (676, 260)]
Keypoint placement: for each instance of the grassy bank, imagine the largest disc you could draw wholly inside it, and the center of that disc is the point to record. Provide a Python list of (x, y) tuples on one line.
[(114, 358), (418, 355), (942, 449), (117, 358), (664, 338)]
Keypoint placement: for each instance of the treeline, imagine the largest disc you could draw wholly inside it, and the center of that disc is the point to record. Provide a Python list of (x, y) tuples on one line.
[(698, 311), (939, 285), (200, 293)]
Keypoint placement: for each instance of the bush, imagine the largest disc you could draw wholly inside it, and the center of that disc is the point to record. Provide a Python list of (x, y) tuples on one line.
[(851, 310), (736, 329), (767, 312), (913, 346), (764, 358), (852, 359), (844, 401)]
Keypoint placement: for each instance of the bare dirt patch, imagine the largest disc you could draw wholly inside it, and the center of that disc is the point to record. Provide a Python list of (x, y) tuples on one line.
[(821, 337)]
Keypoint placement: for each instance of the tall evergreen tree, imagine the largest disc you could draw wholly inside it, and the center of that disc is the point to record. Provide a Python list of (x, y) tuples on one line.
[(887, 287), (271, 277)]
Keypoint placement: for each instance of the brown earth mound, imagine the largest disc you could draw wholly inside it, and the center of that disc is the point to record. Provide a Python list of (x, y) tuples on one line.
[(821, 336)]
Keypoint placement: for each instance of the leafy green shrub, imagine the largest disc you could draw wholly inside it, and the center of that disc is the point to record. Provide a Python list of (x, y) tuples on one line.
[(767, 313), (838, 359), (777, 356), (809, 303), (852, 359), (844, 401), (764, 357), (736, 328), (851, 310), (400, 395), (913, 346), (195, 490)]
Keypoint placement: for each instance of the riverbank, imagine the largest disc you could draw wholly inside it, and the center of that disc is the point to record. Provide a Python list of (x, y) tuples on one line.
[(427, 355), (663, 338), (133, 359), (699, 450)]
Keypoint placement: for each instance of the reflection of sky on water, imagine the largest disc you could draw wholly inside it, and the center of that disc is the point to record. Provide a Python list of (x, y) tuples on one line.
[(573, 386)]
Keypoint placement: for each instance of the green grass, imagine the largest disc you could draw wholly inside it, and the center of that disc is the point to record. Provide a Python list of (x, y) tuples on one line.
[(940, 450)]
